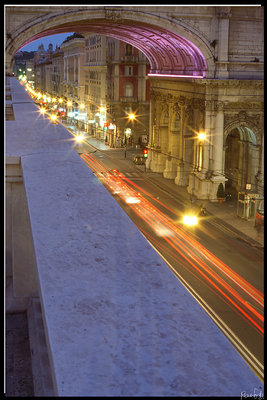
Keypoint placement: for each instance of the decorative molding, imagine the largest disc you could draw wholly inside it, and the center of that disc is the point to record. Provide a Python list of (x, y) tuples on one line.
[(113, 14)]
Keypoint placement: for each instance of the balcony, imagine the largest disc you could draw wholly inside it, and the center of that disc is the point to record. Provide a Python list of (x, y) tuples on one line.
[(126, 99), (129, 59)]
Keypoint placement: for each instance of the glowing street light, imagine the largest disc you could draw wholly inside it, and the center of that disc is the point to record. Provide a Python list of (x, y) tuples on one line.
[(201, 136), (79, 138), (131, 116), (42, 110), (190, 220), (53, 118)]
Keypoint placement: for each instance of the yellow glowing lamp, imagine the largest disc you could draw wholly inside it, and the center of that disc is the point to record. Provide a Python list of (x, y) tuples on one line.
[(53, 118), (69, 103), (190, 220), (131, 116), (82, 106), (42, 110), (102, 109), (79, 138), (201, 136), (60, 100)]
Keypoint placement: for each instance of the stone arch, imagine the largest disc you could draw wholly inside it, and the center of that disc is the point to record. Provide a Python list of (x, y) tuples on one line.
[(241, 156), (244, 121), (171, 46)]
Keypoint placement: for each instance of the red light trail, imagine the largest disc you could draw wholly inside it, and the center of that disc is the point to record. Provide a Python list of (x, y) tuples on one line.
[(239, 294)]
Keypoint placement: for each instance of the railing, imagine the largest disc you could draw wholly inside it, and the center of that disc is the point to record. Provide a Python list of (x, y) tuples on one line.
[(126, 99)]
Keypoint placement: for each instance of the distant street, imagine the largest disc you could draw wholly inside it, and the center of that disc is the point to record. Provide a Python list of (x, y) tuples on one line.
[(222, 272)]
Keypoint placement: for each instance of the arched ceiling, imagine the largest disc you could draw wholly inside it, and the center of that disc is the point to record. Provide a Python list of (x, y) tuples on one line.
[(168, 53)]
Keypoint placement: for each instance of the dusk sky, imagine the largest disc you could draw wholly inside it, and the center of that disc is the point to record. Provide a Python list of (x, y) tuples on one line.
[(54, 39)]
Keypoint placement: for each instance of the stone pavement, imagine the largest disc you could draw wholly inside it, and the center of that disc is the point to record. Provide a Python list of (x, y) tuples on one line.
[(225, 212)]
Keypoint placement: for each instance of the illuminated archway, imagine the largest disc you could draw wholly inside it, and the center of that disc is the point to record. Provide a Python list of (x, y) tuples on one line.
[(172, 49)]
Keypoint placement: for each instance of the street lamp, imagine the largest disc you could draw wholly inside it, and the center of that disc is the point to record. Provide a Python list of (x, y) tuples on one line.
[(201, 138), (131, 117)]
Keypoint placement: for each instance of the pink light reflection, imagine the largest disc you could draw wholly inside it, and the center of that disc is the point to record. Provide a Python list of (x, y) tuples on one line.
[(177, 76)]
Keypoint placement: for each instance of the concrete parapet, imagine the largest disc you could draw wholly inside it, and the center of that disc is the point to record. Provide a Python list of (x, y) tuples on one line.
[(117, 321)]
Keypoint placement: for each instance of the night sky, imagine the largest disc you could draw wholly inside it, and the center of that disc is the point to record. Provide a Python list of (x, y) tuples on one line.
[(54, 39)]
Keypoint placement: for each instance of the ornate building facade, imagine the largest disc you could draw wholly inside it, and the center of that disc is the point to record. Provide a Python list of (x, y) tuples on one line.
[(206, 77), (230, 115)]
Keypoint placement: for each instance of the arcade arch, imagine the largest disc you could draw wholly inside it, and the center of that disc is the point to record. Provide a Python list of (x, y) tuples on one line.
[(184, 47), (171, 46), (241, 159)]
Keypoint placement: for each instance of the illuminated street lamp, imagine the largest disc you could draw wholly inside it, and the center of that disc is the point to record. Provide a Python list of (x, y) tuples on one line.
[(79, 139), (131, 116), (190, 220), (53, 118), (201, 138), (42, 110)]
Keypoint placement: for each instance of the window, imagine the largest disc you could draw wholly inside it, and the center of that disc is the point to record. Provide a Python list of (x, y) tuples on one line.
[(128, 70), (129, 49), (128, 89)]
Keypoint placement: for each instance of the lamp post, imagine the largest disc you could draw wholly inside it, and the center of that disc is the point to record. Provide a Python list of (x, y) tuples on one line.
[(131, 117), (201, 138)]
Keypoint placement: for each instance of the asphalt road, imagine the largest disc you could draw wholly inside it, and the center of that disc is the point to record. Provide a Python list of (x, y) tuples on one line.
[(223, 272)]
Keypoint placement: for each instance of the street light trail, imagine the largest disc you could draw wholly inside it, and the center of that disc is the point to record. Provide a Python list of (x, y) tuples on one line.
[(189, 249), (165, 250)]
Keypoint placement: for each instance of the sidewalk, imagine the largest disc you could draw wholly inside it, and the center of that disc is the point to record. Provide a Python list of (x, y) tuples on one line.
[(225, 212)]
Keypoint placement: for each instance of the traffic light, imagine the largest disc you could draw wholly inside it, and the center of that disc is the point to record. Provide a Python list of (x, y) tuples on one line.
[(145, 152)]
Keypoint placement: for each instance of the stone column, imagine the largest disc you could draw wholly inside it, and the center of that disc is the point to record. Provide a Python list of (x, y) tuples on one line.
[(260, 174), (159, 147), (223, 39), (180, 178), (217, 138), (240, 172), (218, 141), (170, 170)]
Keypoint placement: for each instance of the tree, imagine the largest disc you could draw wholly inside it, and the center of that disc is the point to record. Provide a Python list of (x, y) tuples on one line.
[(220, 192)]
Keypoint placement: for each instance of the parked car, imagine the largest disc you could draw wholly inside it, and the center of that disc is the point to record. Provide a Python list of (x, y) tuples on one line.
[(139, 160)]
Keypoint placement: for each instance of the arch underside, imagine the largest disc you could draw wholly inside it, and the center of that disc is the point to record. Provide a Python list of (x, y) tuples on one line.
[(168, 53)]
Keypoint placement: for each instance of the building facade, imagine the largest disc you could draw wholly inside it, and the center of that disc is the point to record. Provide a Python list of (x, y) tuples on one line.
[(127, 93), (95, 75), (73, 82), (57, 72), (227, 110)]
